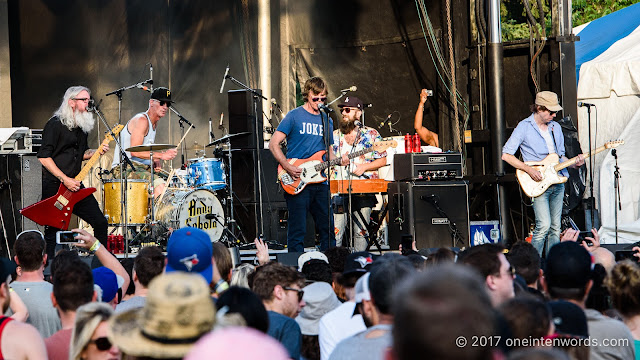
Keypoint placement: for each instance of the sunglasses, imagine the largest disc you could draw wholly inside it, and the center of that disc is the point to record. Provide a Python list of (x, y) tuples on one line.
[(552, 112), (316, 99), (81, 99), (346, 110), (300, 292), (163, 103), (102, 343)]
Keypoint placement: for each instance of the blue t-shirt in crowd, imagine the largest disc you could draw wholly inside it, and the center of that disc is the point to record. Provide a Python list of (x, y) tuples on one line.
[(287, 331), (305, 133)]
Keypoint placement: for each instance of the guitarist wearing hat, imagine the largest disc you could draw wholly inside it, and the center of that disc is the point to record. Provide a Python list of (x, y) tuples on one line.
[(64, 147), (537, 137)]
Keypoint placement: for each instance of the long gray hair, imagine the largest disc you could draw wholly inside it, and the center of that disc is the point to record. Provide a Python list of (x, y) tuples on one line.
[(88, 317), (67, 115)]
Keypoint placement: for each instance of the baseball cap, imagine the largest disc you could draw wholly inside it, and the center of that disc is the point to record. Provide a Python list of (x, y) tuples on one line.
[(351, 101), (320, 299), (358, 262), (162, 94), (310, 255), (549, 100), (362, 291), (108, 282), (569, 318), (7, 267), (568, 266), (190, 250)]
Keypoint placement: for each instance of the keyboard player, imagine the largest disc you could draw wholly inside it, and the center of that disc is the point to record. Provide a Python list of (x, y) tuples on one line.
[(366, 166)]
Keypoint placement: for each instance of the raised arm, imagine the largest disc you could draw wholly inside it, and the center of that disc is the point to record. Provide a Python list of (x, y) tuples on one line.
[(429, 137)]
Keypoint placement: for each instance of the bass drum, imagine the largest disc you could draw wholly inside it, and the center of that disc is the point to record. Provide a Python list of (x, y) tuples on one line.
[(201, 209)]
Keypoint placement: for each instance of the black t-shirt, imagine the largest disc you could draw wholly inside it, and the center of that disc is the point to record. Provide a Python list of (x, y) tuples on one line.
[(66, 148)]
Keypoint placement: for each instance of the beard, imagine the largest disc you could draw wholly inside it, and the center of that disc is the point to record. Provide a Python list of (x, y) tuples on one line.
[(84, 120), (347, 126)]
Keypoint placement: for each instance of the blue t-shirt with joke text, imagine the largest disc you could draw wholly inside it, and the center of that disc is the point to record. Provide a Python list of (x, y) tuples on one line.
[(305, 133)]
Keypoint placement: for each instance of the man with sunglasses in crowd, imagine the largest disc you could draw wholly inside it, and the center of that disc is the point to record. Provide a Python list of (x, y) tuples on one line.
[(353, 136), (64, 147), (538, 136), (141, 130), (303, 128)]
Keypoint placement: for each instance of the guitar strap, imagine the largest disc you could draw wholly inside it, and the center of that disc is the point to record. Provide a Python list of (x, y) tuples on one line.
[(553, 136)]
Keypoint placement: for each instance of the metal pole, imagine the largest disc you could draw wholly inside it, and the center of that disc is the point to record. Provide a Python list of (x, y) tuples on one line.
[(495, 105)]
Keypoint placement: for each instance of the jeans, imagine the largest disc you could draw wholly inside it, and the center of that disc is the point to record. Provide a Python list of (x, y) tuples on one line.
[(314, 199), (548, 211)]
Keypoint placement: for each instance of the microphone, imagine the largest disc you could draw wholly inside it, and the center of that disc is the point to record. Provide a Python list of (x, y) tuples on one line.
[(211, 216), (324, 108), (357, 123), (151, 75), (226, 73), (352, 88), (145, 88), (584, 104), (384, 122)]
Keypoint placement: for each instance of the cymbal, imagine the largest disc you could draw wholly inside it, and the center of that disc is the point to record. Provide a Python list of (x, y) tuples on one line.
[(150, 147), (224, 138), (196, 147)]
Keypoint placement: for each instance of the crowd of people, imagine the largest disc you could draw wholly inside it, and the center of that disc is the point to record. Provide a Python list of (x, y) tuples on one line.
[(485, 302)]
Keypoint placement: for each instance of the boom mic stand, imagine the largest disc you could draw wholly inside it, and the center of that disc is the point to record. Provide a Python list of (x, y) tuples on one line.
[(181, 121)]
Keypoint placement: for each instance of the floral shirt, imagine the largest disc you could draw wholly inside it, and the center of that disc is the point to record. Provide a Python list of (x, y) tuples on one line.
[(368, 136)]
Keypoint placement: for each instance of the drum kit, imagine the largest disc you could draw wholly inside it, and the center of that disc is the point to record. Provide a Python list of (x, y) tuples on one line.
[(153, 202)]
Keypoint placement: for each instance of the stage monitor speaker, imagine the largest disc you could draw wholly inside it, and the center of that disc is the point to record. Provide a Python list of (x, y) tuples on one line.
[(243, 112), (276, 217), (245, 176), (21, 186), (289, 258), (427, 211)]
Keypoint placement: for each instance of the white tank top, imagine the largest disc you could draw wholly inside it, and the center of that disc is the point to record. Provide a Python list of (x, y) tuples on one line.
[(125, 140)]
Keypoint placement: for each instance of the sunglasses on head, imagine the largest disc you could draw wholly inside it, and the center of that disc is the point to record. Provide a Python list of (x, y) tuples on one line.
[(102, 343), (316, 99), (300, 292)]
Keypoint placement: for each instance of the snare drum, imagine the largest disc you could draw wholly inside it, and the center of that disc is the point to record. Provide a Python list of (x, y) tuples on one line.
[(206, 173), (197, 208), (137, 201)]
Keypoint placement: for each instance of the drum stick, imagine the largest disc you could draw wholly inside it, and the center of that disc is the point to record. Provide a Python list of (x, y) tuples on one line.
[(166, 186), (185, 135)]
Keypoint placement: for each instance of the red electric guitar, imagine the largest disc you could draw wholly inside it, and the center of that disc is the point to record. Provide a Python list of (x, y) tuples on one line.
[(312, 167), (56, 210)]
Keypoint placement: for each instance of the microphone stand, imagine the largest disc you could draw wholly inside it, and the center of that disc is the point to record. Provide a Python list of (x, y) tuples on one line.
[(592, 203), (181, 121), (123, 187), (259, 141), (616, 185)]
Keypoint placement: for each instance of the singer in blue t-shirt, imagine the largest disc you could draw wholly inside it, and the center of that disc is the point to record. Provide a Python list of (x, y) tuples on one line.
[(303, 128)]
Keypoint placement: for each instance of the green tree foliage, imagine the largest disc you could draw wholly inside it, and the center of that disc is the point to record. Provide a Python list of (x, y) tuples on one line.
[(514, 16)]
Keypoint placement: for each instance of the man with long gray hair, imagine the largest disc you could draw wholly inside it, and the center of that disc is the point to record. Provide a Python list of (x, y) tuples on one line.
[(64, 147)]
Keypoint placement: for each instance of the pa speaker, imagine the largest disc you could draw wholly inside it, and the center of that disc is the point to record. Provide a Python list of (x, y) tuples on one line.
[(245, 115), (245, 176), (434, 213)]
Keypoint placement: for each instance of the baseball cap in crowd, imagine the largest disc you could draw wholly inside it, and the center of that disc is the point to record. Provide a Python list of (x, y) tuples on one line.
[(162, 94), (358, 262), (177, 312), (108, 282), (568, 266), (351, 101), (190, 250), (320, 299), (569, 318), (548, 99), (310, 255), (362, 291), (7, 267)]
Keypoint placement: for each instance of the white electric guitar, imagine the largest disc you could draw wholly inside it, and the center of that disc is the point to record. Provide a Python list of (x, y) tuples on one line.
[(549, 168)]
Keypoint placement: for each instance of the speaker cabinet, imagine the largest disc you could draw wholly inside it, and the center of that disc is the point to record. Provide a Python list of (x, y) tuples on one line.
[(21, 186), (245, 176), (245, 115), (429, 212)]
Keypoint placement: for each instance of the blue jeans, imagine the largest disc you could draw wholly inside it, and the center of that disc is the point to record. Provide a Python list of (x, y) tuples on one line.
[(548, 210), (314, 199)]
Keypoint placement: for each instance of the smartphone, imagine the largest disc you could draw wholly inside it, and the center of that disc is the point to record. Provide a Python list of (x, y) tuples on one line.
[(583, 234), (407, 243), (66, 237), (626, 254)]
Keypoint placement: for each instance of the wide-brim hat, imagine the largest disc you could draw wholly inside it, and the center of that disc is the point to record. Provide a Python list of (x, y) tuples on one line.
[(548, 99), (178, 311)]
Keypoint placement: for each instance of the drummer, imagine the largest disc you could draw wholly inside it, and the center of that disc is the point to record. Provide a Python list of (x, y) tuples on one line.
[(141, 129)]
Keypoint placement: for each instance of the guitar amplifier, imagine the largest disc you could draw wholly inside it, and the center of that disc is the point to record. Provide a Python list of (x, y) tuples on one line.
[(427, 166)]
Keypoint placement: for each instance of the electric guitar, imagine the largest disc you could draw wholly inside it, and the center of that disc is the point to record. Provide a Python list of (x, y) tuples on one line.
[(313, 166), (56, 210), (549, 168)]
